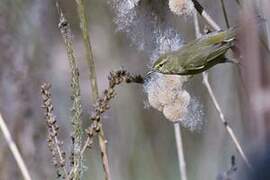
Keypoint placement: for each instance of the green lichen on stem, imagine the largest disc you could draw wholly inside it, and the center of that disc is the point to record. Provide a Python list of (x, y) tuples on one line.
[(92, 76), (76, 109)]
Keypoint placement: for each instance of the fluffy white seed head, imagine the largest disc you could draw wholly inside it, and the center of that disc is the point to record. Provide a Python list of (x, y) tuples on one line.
[(169, 88), (166, 94), (181, 7), (177, 110), (154, 101)]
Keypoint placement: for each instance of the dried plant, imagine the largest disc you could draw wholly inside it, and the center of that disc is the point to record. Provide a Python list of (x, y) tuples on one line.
[(165, 94), (210, 90), (93, 81), (55, 145), (76, 109), (115, 78), (102, 104), (14, 149)]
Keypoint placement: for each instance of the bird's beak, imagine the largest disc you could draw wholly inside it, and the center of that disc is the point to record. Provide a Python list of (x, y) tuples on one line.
[(149, 73)]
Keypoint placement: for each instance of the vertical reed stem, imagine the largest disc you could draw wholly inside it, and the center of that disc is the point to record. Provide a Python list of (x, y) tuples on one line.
[(76, 109), (180, 151), (14, 149), (210, 91), (88, 49), (92, 76), (225, 13)]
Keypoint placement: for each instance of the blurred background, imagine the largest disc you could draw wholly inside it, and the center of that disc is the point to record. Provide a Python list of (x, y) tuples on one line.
[(141, 141)]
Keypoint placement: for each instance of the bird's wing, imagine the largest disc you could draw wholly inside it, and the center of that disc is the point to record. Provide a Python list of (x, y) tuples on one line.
[(203, 55)]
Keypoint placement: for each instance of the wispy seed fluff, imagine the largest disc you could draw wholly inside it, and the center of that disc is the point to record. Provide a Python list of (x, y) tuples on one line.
[(166, 94), (181, 7)]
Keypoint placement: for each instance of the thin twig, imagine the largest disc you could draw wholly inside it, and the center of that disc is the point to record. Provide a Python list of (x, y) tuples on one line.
[(92, 77), (224, 121), (14, 149), (205, 15), (102, 104), (210, 91), (76, 109), (180, 151), (88, 49), (216, 27), (225, 13)]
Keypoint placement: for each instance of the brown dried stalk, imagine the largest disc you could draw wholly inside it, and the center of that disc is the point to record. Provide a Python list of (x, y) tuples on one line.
[(14, 149), (225, 13), (76, 109), (180, 151), (55, 145), (88, 49), (102, 104), (93, 81), (211, 93)]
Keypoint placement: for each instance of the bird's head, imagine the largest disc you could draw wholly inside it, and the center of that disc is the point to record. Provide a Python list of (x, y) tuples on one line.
[(160, 65)]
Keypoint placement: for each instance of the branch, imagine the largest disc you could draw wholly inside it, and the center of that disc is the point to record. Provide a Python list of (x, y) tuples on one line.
[(14, 149), (225, 13), (210, 91), (205, 15), (93, 79), (102, 105), (180, 151), (88, 49), (224, 121)]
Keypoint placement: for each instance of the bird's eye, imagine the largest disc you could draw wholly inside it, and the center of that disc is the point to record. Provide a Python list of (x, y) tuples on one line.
[(160, 65)]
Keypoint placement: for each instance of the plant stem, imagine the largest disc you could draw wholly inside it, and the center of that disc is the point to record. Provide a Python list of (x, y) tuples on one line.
[(92, 76), (225, 13), (205, 15), (180, 151), (14, 149), (54, 144), (76, 109), (224, 121), (88, 49), (210, 91)]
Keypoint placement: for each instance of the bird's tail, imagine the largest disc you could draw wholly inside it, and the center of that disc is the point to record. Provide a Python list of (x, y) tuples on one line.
[(231, 33)]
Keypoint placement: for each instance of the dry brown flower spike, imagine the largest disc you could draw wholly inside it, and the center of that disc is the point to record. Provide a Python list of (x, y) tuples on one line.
[(54, 144), (115, 78)]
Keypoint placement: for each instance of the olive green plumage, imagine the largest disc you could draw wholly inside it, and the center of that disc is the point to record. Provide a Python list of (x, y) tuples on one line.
[(198, 55)]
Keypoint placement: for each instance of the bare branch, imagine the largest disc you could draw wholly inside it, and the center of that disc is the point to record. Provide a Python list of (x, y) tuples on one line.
[(180, 151), (210, 91)]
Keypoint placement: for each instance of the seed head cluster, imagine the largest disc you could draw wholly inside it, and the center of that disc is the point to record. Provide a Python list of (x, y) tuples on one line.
[(102, 105), (54, 144), (166, 94), (181, 7)]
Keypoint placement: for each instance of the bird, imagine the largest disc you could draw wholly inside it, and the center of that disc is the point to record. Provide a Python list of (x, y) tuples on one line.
[(198, 55)]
